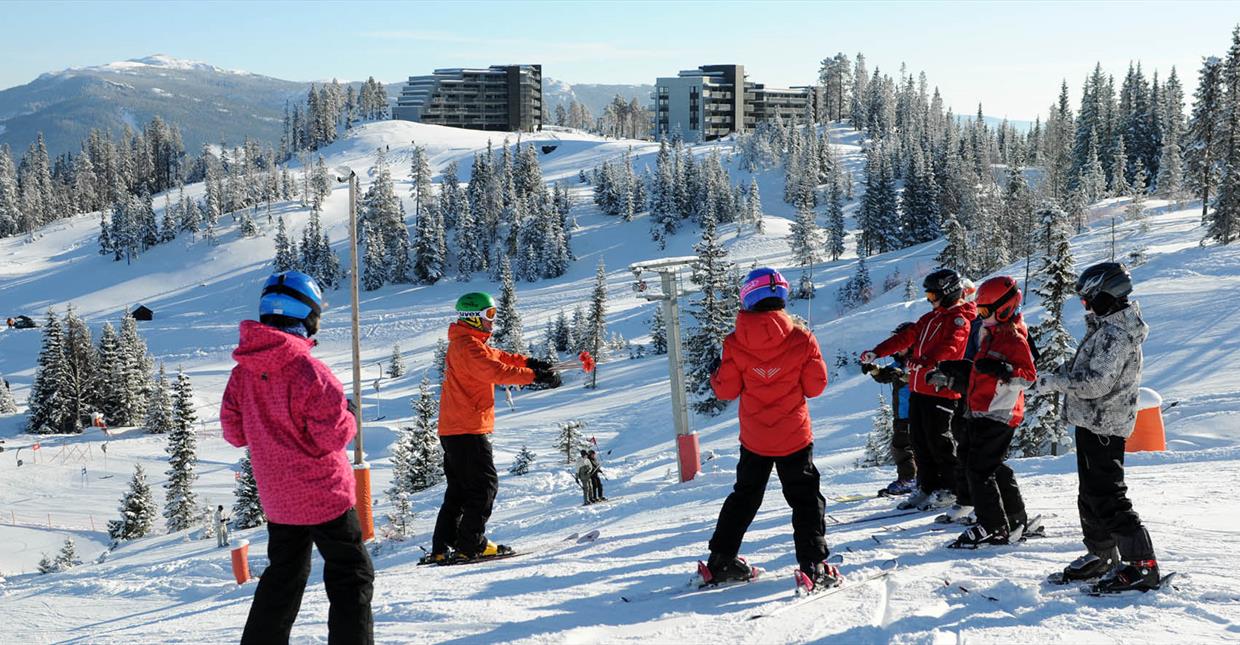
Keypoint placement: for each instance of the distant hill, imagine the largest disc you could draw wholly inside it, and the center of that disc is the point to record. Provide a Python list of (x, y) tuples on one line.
[(592, 95), (210, 104)]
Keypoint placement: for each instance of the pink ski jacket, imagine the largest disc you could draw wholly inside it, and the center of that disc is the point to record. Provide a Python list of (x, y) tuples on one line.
[(291, 411)]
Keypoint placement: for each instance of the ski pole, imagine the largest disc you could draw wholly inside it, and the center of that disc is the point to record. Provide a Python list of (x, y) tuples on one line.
[(584, 360)]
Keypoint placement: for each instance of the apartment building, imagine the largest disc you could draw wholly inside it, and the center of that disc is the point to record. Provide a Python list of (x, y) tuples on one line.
[(504, 98), (714, 101)]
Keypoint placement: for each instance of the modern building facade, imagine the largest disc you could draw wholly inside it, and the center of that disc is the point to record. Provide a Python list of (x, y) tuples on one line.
[(505, 98), (714, 101)]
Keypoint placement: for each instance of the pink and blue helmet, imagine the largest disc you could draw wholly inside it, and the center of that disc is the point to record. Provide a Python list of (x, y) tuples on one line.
[(763, 283)]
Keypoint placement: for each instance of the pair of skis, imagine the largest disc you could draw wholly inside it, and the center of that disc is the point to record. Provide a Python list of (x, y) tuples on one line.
[(452, 561)]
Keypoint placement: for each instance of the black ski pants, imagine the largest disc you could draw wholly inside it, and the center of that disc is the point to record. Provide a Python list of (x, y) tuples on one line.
[(596, 485), (799, 478), (1107, 518), (960, 430), (996, 497), (469, 468), (902, 449), (348, 576), (934, 449)]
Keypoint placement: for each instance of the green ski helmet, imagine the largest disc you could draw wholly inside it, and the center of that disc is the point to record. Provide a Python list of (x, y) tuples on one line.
[(473, 308)]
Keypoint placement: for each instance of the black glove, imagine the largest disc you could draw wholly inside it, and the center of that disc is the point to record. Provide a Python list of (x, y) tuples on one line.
[(714, 364), (994, 367), (547, 378), (537, 364), (957, 370), (352, 407)]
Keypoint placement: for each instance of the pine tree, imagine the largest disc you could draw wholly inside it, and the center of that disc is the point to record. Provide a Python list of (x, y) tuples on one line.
[(68, 557), (80, 369), (159, 406), (596, 319), (522, 462), (132, 377), (47, 565), (955, 252), (563, 335), (878, 442), (396, 364), (835, 224), (1205, 140), (508, 334), (374, 260), (7, 404), (417, 463), (1044, 425), (714, 312), (658, 331), (286, 255), (858, 290), (48, 407), (248, 227), (441, 357), (805, 237), (570, 439), (137, 510), (247, 510), (430, 249), (181, 504), (1223, 226)]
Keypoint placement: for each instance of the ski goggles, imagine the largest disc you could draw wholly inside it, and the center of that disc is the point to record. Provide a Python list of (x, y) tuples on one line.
[(934, 296), (487, 314)]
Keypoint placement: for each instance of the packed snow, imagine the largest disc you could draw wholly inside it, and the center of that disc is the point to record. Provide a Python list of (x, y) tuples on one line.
[(629, 584)]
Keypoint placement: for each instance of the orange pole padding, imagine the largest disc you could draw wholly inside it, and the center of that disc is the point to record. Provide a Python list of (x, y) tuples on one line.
[(1149, 434), (241, 562), (689, 457), (365, 512)]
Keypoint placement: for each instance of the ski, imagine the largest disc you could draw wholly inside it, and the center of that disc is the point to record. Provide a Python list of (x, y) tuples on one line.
[(1092, 590), (702, 579), (578, 538), (876, 518), (846, 499), (886, 569)]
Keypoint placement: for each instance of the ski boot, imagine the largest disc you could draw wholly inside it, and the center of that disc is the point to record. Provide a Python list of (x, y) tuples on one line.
[(1138, 575), (941, 498), (721, 569), (898, 487), (1026, 528), (817, 576), (977, 536), (914, 500), (489, 550), (1090, 566), (435, 558), (958, 514)]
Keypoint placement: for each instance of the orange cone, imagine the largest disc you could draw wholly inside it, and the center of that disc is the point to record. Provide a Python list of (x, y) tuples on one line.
[(1149, 434)]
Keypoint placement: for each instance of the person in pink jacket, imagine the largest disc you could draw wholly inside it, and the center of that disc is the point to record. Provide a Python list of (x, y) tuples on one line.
[(291, 411)]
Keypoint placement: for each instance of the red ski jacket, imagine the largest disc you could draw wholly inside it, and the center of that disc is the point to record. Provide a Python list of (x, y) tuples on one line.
[(772, 364), (940, 335), (473, 369), (290, 409), (991, 398)]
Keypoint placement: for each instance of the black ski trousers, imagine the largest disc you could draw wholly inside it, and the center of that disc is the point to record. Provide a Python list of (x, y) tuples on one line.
[(799, 478), (596, 485), (902, 449), (934, 449), (348, 576), (469, 468), (996, 497), (1107, 518), (960, 430)]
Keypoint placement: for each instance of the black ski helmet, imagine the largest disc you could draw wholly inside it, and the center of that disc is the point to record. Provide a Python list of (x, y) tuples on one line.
[(1104, 287), (946, 283)]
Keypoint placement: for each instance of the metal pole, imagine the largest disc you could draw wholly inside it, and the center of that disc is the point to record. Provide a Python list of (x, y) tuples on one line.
[(357, 350), (686, 441)]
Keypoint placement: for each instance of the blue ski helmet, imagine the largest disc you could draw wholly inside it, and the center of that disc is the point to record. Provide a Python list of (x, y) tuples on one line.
[(761, 284), (292, 294)]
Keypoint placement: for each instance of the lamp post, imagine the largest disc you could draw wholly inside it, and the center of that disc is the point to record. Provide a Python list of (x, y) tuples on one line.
[(361, 469)]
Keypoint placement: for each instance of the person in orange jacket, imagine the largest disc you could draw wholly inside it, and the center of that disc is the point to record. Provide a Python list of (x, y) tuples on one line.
[(466, 420)]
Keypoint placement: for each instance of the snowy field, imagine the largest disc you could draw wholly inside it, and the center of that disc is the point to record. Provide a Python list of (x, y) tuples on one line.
[(629, 584)]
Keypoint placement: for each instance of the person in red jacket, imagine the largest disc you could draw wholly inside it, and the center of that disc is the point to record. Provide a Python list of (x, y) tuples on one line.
[(940, 335), (291, 411), (772, 364), (466, 420), (1002, 370)]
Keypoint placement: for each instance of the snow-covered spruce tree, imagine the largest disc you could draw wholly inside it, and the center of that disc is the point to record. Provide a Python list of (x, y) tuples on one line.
[(878, 442), (247, 510), (159, 406), (858, 290), (570, 439), (374, 258), (430, 250), (396, 364), (47, 565), (68, 557), (509, 333), (806, 238), (134, 375), (417, 463), (1044, 426), (955, 252), (522, 462), (658, 331), (711, 272), (286, 254), (441, 358), (248, 228), (80, 367), (7, 404), (563, 335), (1204, 141), (180, 503), (596, 320), (420, 180), (137, 510), (835, 223), (48, 409)]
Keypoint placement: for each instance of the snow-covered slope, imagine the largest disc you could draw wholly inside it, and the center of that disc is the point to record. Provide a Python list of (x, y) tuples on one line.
[(173, 589)]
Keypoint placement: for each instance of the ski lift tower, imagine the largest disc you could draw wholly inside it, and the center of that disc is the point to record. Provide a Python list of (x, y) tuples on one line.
[(687, 454)]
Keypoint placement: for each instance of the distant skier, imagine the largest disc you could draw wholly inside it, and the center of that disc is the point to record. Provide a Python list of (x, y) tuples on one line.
[(1003, 369), (596, 477), (896, 376), (939, 335), (1101, 382), (585, 469), (466, 420), (772, 364), (291, 411), (221, 527)]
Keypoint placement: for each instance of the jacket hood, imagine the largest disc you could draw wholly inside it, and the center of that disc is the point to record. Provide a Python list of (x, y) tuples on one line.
[(1129, 319), (263, 348), (761, 331)]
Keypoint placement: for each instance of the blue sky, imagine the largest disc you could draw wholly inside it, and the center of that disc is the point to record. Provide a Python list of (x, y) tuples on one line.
[(1010, 56)]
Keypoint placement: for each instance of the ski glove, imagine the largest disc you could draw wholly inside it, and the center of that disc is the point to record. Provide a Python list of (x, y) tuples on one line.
[(994, 367), (868, 356), (938, 379), (353, 409), (714, 364), (537, 364), (547, 378)]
